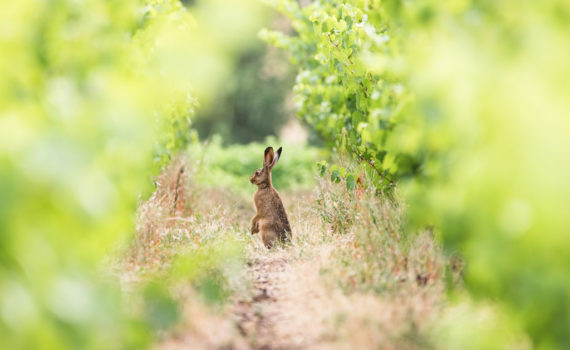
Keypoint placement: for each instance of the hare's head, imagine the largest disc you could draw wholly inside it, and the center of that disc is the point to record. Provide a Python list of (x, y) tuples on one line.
[(262, 176)]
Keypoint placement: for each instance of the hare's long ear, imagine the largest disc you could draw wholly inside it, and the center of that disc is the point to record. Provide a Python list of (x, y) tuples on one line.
[(268, 158), (277, 156)]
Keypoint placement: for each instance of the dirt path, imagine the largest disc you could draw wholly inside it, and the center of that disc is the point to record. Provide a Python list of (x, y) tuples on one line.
[(281, 312), (259, 317), (293, 299)]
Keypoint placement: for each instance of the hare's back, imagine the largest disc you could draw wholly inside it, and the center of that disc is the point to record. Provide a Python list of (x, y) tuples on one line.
[(279, 213), (271, 210)]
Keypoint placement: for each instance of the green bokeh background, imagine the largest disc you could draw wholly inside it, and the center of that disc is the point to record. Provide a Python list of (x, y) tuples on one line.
[(466, 104)]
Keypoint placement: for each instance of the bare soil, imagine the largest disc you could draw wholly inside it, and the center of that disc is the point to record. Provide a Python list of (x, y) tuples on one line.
[(286, 310)]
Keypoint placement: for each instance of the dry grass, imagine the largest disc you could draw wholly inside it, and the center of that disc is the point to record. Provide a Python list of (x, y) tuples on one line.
[(352, 278), (355, 279), (181, 217), (191, 242)]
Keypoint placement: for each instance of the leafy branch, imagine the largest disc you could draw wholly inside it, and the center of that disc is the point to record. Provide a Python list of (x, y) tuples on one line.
[(372, 165)]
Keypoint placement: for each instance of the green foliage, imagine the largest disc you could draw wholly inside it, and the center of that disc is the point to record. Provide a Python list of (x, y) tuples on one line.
[(160, 310), (337, 174), (353, 108), (231, 166), (470, 98), (87, 90), (210, 267), (70, 114), (175, 130)]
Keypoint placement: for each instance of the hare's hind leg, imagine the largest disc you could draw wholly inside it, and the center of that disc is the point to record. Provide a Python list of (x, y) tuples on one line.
[(269, 238)]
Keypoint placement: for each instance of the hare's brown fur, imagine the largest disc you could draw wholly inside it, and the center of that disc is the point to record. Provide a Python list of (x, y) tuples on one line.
[(271, 219)]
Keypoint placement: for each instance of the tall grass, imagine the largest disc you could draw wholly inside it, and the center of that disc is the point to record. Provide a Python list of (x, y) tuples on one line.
[(187, 258), (396, 281)]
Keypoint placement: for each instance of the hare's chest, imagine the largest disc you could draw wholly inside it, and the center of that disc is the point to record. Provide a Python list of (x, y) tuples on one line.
[(258, 201), (257, 205)]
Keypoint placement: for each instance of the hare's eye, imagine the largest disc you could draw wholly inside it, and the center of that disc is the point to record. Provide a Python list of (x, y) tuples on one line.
[(257, 172)]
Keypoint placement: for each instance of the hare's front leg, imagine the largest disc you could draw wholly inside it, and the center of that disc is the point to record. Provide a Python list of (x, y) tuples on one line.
[(255, 225)]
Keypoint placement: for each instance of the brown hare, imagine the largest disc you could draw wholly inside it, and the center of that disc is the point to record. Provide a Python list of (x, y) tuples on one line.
[(271, 219)]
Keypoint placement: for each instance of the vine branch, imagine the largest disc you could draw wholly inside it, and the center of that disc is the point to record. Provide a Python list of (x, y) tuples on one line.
[(371, 163)]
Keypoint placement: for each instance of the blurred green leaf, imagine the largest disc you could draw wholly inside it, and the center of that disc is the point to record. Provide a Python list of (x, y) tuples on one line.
[(335, 176), (350, 182)]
